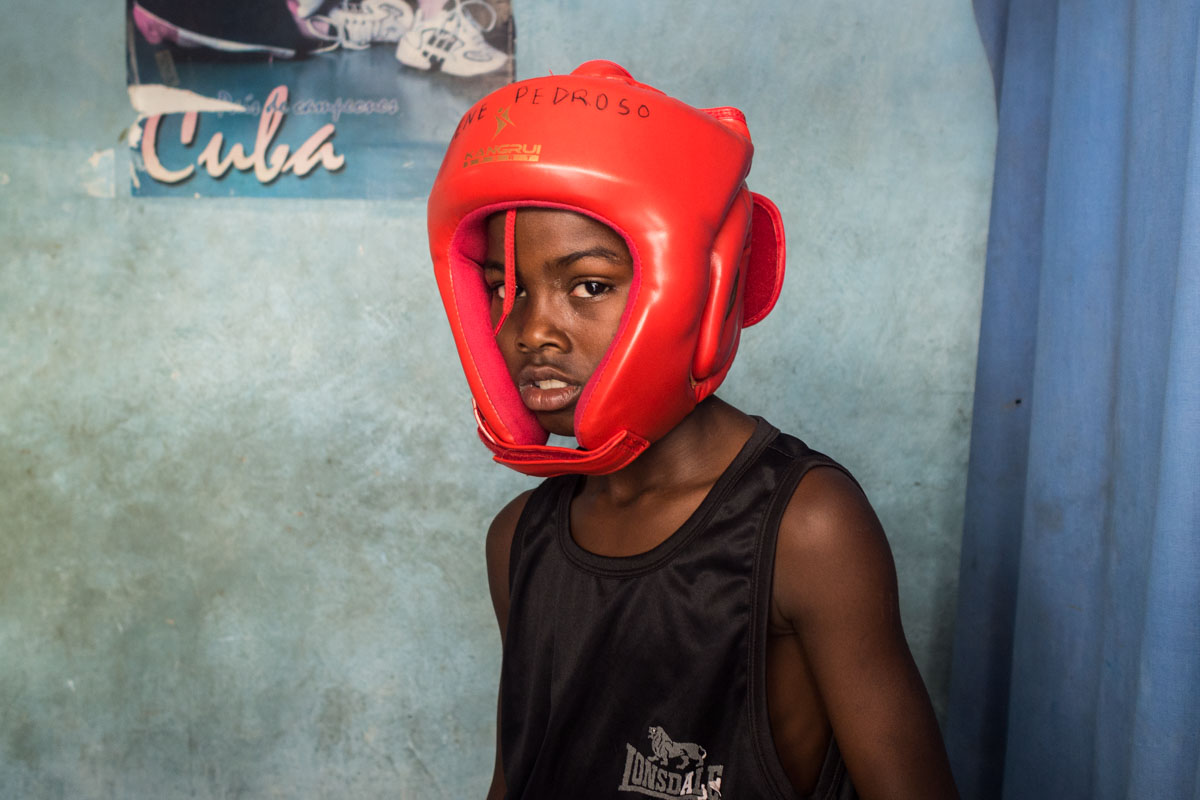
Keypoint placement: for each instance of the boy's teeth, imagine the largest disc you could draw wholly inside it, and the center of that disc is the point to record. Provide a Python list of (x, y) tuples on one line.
[(551, 384)]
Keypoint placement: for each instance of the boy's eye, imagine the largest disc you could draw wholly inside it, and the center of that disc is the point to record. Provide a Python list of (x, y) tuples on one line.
[(498, 290), (590, 289)]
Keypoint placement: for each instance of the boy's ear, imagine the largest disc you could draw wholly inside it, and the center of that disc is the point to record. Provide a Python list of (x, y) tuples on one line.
[(768, 251), (746, 274), (721, 320)]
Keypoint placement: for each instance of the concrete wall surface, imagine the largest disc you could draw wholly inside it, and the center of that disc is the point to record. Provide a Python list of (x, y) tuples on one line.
[(242, 503)]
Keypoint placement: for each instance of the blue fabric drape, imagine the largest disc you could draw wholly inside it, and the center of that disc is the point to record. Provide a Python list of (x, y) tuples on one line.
[(1076, 668)]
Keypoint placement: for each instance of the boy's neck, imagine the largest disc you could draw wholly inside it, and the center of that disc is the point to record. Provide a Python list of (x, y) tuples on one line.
[(635, 509), (693, 454)]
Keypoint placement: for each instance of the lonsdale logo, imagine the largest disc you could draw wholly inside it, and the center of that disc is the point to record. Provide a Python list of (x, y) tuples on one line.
[(502, 152), (672, 770)]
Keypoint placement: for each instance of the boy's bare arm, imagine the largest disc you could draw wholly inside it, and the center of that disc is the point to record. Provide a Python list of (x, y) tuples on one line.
[(499, 545), (835, 583)]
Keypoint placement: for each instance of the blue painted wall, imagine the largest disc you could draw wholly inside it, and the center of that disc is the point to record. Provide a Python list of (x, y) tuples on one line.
[(241, 501)]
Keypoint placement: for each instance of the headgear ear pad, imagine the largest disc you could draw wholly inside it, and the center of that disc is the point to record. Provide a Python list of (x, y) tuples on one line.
[(708, 255)]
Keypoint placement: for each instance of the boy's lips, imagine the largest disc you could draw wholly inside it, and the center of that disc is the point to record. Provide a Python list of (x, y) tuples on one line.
[(545, 389)]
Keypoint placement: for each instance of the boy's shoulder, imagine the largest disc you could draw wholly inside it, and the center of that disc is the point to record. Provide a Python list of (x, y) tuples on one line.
[(833, 563), (498, 548), (826, 503), (828, 514), (505, 521)]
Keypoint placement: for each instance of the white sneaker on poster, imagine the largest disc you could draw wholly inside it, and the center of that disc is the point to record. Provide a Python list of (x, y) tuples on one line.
[(452, 39), (357, 24)]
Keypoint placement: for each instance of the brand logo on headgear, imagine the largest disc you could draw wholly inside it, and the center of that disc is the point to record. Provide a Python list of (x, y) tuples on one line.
[(502, 119), (502, 152)]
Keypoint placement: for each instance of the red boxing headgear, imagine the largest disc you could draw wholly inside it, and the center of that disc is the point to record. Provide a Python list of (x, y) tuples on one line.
[(707, 253)]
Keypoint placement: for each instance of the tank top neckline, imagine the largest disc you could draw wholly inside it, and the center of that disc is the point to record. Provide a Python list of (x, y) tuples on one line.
[(639, 563)]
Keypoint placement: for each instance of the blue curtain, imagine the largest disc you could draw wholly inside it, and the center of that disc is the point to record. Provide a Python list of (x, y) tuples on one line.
[(1076, 670)]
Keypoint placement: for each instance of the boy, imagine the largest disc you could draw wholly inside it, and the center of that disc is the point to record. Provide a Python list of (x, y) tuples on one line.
[(693, 605)]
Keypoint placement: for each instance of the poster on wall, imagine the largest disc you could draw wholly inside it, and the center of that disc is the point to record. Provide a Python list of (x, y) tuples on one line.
[(306, 98)]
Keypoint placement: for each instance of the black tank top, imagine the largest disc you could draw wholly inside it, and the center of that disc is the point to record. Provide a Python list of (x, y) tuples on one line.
[(645, 675)]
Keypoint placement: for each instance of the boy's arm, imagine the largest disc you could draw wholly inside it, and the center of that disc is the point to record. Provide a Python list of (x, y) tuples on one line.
[(835, 583), (499, 544)]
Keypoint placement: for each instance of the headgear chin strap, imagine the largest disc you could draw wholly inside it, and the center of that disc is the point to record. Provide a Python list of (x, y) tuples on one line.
[(708, 254)]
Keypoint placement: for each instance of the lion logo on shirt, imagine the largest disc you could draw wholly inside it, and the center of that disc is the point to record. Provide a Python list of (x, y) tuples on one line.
[(665, 748), (671, 770)]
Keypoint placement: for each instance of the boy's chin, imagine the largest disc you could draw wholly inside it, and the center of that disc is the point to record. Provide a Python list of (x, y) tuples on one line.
[(559, 423)]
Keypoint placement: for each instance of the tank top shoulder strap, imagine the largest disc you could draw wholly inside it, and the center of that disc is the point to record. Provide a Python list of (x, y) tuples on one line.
[(803, 458)]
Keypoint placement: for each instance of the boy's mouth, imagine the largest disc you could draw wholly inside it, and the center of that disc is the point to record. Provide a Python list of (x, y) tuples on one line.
[(546, 393)]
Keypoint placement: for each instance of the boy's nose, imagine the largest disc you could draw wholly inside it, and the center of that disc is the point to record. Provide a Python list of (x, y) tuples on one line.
[(539, 326)]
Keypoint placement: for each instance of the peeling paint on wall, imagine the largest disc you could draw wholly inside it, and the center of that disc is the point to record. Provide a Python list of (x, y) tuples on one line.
[(99, 178)]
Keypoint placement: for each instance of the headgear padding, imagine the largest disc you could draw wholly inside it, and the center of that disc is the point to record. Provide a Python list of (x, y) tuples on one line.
[(707, 253)]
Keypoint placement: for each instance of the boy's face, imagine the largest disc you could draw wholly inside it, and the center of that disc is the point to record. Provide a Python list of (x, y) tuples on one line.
[(573, 276)]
